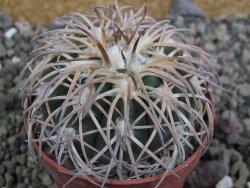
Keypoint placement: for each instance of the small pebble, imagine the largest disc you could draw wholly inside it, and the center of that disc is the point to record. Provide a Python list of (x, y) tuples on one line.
[(210, 47), (246, 56), (246, 123), (244, 89), (2, 169), (2, 181), (21, 159), (24, 28), (22, 185), (5, 21), (10, 43), (225, 182), (8, 179), (16, 60), (10, 33), (3, 132), (46, 180), (3, 51)]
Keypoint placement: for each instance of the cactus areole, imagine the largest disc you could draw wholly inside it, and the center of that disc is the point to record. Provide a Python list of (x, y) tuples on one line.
[(117, 95)]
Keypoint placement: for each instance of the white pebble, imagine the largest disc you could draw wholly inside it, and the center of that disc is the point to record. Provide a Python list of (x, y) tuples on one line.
[(15, 60), (225, 182), (10, 33), (248, 184)]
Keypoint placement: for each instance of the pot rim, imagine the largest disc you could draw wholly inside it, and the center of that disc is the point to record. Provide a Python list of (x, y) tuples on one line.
[(183, 165)]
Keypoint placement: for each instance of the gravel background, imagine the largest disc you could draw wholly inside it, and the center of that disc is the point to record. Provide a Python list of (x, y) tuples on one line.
[(228, 38)]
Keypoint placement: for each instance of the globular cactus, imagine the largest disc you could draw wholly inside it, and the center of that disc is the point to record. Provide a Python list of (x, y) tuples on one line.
[(116, 94)]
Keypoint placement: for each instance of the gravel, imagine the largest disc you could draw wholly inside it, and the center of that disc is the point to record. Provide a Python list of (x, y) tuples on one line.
[(227, 38), (17, 168)]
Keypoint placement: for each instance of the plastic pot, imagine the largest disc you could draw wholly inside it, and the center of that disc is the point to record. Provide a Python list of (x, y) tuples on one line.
[(61, 175)]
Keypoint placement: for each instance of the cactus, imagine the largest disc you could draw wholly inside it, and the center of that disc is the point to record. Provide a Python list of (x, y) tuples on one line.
[(116, 94)]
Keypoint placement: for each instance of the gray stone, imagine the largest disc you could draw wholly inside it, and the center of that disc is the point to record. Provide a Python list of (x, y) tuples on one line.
[(228, 70), (246, 123), (230, 123), (35, 173), (23, 148), (19, 169), (30, 161), (25, 172), (24, 28), (244, 89), (5, 20), (21, 158), (237, 47), (7, 156), (52, 186), (8, 179), (2, 170), (210, 47), (10, 52), (233, 138), (13, 140), (210, 36), (9, 165), (246, 56), (46, 180), (27, 181), (221, 32), (21, 185), (3, 132), (179, 21), (201, 27), (242, 37), (193, 30), (2, 181), (186, 8), (238, 27), (224, 80), (1, 154), (10, 43), (3, 51)]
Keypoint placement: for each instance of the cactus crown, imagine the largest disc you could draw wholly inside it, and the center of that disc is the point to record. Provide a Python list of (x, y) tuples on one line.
[(116, 94)]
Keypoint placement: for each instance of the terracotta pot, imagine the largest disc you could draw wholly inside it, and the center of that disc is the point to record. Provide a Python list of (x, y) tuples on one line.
[(61, 174)]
